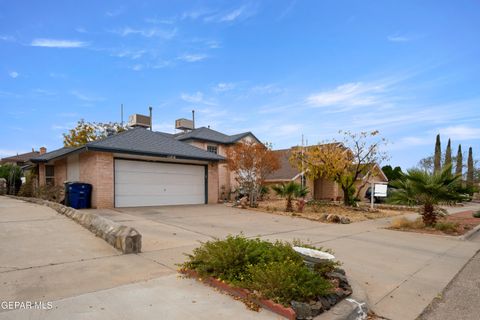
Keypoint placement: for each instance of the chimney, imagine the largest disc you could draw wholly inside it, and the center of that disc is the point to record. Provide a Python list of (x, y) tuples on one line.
[(43, 150)]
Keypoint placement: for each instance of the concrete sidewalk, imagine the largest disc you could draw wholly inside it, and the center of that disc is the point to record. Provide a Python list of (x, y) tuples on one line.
[(169, 297), (460, 299)]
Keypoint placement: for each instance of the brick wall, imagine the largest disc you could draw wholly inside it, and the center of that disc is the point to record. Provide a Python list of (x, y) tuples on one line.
[(96, 168), (41, 174), (325, 189), (213, 185)]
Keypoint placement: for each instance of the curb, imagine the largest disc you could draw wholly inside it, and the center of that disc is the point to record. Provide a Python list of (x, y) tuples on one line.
[(348, 309), (470, 233)]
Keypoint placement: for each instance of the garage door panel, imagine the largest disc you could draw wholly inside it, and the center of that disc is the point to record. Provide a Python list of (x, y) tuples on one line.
[(121, 190), (141, 183), (154, 178), (142, 201)]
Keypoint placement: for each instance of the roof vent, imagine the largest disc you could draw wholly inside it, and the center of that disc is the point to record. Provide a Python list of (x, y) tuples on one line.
[(139, 120), (184, 124)]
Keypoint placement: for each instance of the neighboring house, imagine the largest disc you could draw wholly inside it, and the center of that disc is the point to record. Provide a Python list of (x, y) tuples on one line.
[(320, 188), (217, 143), (21, 160), (139, 167)]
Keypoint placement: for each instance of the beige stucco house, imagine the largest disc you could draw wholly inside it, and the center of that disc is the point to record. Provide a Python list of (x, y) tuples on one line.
[(321, 188)]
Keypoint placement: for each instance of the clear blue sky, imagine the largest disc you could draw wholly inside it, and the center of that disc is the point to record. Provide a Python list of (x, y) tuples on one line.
[(410, 69)]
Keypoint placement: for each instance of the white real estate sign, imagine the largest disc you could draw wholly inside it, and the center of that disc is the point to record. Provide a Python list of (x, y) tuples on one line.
[(142, 183), (380, 190)]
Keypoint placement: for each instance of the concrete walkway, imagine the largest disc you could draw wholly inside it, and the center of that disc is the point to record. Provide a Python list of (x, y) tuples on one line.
[(401, 272)]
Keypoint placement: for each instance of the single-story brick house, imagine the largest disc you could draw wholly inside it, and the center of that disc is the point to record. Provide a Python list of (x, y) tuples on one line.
[(140, 167), (137, 167), (320, 188)]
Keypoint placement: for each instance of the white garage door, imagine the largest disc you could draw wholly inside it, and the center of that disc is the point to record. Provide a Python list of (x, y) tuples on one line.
[(141, 183)]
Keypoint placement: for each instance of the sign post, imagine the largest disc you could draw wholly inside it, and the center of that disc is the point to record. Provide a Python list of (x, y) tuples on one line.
[(377, 190), (372, 187)]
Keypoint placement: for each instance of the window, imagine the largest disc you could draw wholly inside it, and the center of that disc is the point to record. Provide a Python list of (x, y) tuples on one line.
[(49, 175), (212, 149)]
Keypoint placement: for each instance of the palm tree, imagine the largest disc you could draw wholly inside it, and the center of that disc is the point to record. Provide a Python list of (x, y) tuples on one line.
[(290, 191), (419, 187)]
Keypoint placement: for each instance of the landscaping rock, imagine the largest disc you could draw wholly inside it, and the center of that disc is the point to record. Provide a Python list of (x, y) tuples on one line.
[(324, 217), (243, 203), (344, 220), (305, 310), (325, 303), (333, 218)]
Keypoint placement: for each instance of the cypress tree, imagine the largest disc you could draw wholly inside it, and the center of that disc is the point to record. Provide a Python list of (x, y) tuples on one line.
[(459, 166), (437, 158), (448, 154), (470, 168)]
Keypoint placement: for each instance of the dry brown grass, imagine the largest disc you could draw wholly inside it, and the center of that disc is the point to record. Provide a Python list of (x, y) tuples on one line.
[(404, 223), (317, 211), (454, 224)]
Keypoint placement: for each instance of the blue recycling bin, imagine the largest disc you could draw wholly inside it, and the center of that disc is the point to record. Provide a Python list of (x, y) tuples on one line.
[(80, 195)]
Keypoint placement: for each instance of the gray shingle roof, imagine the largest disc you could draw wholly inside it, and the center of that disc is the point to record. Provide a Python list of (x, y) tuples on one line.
[(286, 170), (23, 157), (139, 141), (55, 154), (146, 142), (207, 134)]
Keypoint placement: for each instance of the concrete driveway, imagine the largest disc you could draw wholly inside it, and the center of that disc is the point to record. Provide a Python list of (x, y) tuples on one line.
[(400, 272)]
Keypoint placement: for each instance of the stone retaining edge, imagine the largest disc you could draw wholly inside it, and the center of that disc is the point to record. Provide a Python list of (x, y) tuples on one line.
[(355, 307), (121, 237)]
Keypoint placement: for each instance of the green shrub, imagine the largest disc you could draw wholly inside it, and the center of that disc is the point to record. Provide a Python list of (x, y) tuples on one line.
[(28, 188), (284, 281), (476, 214), (446, 226), (228, 259), (12, 174), (271, 270)]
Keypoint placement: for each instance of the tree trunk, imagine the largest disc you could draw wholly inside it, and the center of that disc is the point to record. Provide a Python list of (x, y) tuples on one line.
[(346, 196), (429, 216), (289, 207)]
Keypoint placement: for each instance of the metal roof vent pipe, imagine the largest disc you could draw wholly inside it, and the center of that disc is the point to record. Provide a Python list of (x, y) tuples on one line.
[(193, 119)]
